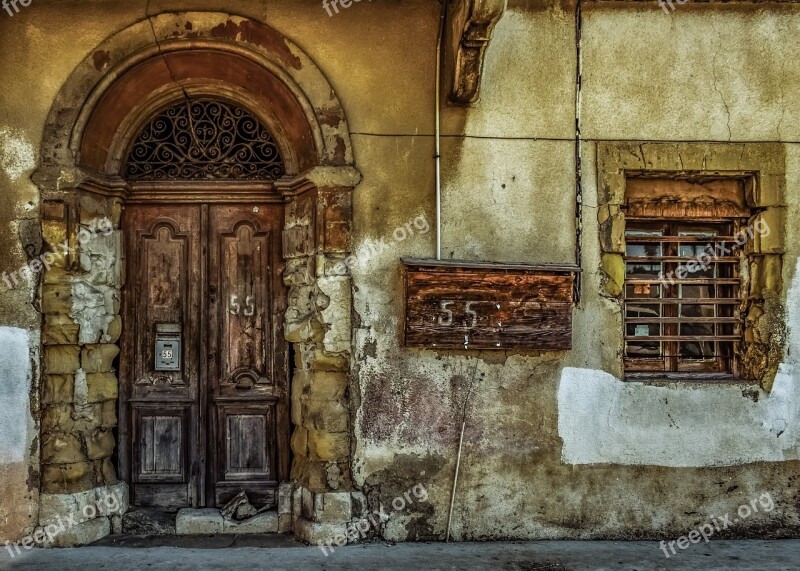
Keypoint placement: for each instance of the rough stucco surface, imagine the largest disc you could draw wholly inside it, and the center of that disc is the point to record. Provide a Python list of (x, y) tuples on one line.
[(18, 509), (554, 443), (15, 372), (603, 420)]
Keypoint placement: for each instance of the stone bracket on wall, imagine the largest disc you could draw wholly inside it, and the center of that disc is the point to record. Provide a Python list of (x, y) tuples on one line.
[(470, 24)]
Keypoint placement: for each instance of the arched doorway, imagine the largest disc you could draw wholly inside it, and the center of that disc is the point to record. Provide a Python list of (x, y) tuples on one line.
[(254, 194), (204, 387)]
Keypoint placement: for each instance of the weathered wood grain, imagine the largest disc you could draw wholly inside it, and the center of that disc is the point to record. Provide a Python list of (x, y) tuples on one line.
[(459, 305)]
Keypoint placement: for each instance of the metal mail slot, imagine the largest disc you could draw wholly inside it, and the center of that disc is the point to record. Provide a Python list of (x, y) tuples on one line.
[(168, 347)]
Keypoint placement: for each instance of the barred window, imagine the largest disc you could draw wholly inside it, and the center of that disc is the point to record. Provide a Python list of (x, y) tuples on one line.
[(682, 299)]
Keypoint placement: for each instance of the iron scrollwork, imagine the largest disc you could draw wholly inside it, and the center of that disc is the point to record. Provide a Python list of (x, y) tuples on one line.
[(204, 140)]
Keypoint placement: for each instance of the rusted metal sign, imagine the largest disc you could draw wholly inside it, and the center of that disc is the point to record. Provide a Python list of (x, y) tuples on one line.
[(481, 305)]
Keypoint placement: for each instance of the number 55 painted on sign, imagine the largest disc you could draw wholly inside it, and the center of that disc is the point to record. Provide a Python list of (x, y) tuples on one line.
[(448, 319)]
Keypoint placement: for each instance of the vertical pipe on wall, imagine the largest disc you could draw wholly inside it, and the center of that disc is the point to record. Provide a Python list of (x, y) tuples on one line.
[(437, 155), (578, 174)]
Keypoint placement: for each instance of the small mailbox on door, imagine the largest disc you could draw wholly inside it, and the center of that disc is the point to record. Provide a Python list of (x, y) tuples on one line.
[(168, 347)]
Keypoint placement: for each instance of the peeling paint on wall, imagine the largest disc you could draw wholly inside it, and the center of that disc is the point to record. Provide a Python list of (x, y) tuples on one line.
[(602, 419), (95, 294), (16, 154), (14, 389)]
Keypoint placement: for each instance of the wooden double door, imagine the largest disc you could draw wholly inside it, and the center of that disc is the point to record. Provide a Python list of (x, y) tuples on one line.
[(203, 368)]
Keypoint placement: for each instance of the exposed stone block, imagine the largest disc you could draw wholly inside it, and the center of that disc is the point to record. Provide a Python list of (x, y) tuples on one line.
[(84, 533), (100, 501), (98, 358), (306, 329), (614, 268), (285, 498), (298, 240), (315, 533), (94, 307), (327, 385), (191, 521), (300, 441), (771, 190), (297, 501), (56, 274), (61, 448), (297, 409), (316, 474), (306, 503), (54, 232), (333, 507), (59, 329), (266, 522), (58, 418), (113, 330), (301, 383), (61, 359), (612, 228), (336, 314), (318, 360), (285, 523), (108, 414), (299, 271), (359, 505), (66, 478), (57, 389), (99, 444), (325, 415), (765, 276), (101, 387), (57, 298), (327, 446), (68, 418), (104, 472), (772, 223)]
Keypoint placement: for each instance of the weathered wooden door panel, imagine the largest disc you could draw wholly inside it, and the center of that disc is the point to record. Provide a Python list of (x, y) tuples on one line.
[(204, 288), (162, 414), (247, 356), (248, 451)]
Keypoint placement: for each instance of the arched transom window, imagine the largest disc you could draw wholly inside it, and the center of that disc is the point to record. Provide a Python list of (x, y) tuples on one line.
[(204, 140)]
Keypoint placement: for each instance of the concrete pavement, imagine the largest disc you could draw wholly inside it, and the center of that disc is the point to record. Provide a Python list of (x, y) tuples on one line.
[(231, 552)]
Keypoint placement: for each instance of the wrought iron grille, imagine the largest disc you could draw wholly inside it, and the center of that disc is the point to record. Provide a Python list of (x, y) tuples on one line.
[(204, 140)]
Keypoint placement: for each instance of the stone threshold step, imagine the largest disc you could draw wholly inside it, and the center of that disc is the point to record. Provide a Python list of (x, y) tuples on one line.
[(194, 521)]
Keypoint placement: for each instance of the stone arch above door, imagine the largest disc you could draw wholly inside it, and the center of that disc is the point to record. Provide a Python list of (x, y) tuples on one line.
[(98, 112), (253, 42)]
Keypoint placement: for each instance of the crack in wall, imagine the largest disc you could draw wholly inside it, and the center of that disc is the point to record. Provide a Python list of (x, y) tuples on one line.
[(716, 80)]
